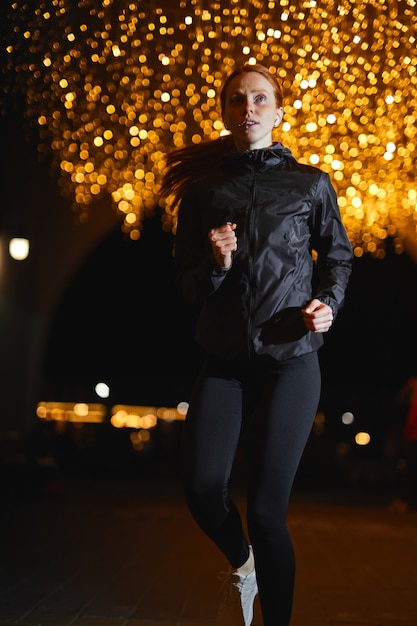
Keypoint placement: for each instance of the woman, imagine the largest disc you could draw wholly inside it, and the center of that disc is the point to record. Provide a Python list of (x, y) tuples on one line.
[(263, 257)]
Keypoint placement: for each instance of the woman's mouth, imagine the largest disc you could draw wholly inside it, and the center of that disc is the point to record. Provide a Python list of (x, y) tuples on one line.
[(247, 124)]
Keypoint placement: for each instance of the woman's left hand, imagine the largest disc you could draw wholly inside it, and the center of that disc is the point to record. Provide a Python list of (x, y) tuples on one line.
[(317, 316)]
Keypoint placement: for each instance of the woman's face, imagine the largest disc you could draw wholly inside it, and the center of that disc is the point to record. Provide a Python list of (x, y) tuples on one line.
[(251, 111)]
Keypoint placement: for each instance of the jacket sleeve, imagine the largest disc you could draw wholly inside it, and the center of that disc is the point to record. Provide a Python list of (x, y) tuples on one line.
[(333, 248), (196, 273)]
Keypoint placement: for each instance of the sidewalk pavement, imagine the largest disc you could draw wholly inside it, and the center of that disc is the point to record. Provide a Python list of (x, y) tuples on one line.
[(129, 554)]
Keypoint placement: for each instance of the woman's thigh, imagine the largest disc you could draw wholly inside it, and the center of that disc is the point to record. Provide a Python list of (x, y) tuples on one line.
[(279, 426), (212, 429)]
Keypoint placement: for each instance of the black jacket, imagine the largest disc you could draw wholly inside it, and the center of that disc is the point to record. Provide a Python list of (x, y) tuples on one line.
[(292, 246)]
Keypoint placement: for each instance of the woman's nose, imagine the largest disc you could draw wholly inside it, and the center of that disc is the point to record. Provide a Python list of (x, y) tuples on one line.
[(248, 107)]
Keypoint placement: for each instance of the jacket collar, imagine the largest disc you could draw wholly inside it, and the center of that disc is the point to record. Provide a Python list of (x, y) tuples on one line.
[(262, 157)]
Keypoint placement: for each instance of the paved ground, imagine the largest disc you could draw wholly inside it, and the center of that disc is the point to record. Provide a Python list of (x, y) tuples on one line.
[(102, 554)]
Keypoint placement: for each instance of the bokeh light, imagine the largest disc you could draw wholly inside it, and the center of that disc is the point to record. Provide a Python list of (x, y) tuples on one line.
[(102, 390), (113, 85)]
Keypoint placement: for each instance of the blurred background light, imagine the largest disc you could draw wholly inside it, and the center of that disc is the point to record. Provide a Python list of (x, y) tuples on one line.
[(102, 390), (348, 418), (112, 86), (362, 438), (19, 248)]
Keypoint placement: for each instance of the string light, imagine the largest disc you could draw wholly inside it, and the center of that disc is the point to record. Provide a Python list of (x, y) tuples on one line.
[(113, 85)]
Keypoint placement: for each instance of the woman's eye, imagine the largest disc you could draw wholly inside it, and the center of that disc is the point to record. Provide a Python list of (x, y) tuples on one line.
[(260, 98)]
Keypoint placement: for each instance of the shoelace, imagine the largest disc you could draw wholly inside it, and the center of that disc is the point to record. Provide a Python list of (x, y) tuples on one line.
[(232, 579), (227, 584)]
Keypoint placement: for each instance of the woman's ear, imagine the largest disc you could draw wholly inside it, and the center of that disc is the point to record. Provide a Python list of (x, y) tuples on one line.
[(279, 116)]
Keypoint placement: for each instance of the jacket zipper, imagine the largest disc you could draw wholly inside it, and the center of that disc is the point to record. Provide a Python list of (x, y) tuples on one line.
[(252, 231)]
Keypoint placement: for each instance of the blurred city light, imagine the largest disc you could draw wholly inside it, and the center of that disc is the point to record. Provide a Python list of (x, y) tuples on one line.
[(102, 390), (348, 418), (362, 438), (19, 248), (112, 86), (72, 412)]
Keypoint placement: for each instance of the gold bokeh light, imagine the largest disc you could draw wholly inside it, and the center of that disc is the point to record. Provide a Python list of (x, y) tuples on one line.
[(114, 85)]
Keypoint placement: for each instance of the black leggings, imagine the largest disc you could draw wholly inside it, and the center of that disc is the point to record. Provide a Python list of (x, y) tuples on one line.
[(273, 405)]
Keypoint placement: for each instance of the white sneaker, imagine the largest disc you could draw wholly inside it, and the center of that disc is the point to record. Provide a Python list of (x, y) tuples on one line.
[(237, 606)]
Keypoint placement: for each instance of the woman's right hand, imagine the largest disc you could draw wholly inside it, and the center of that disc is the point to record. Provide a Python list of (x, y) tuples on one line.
[(223, 242)]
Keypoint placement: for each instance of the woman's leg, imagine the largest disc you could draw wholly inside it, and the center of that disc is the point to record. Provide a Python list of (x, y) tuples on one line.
[(279, 427), (211, 435)]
